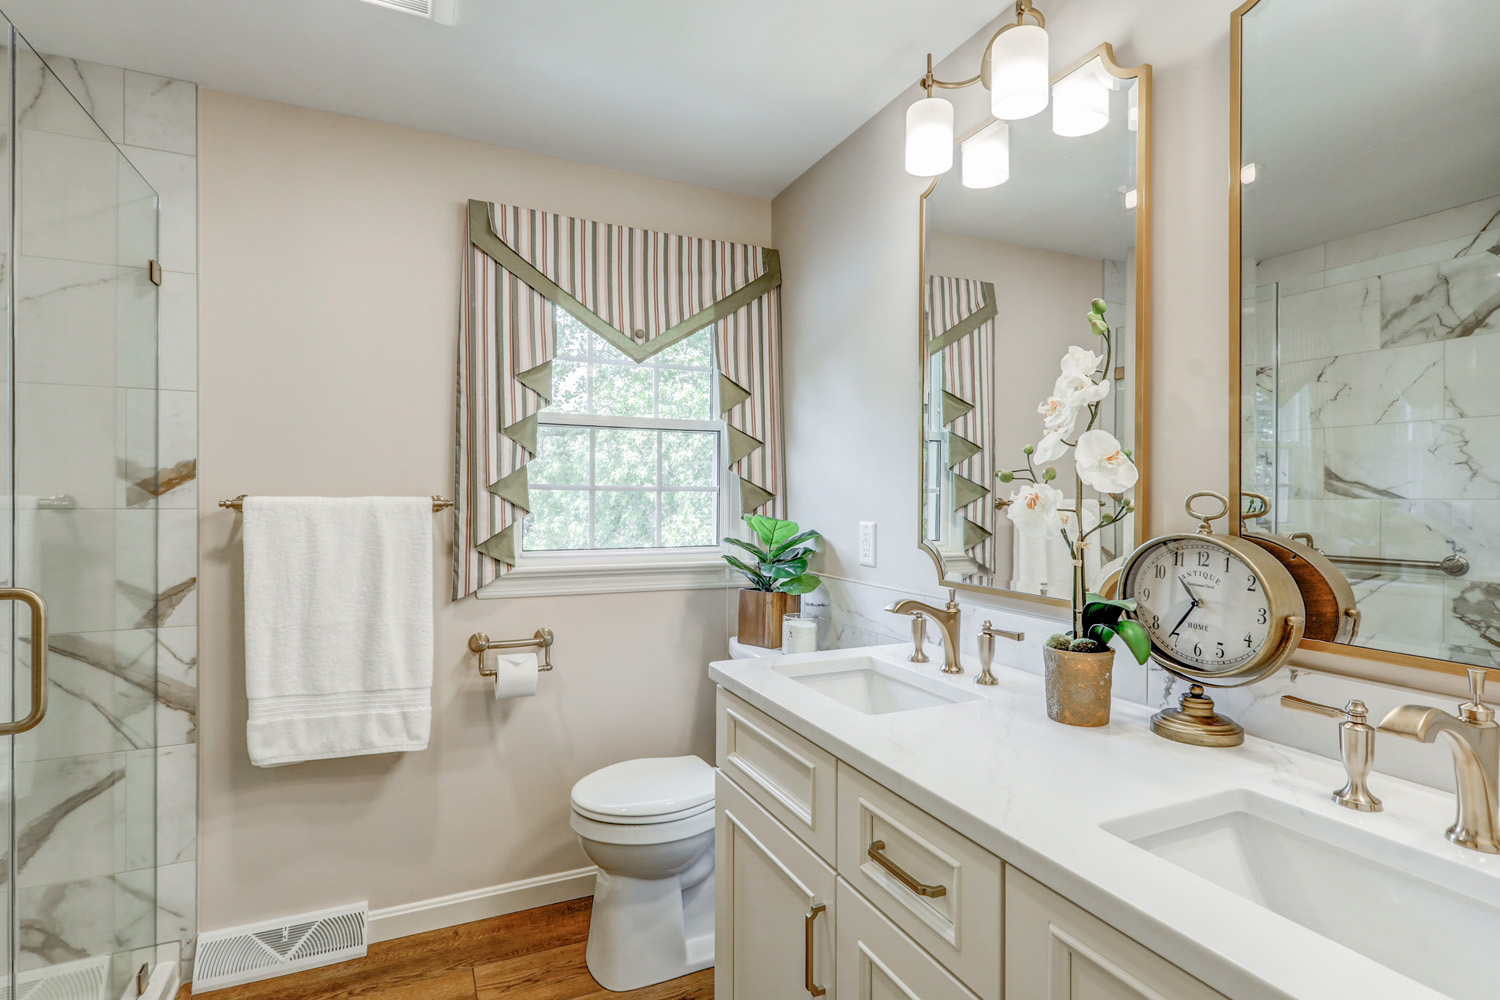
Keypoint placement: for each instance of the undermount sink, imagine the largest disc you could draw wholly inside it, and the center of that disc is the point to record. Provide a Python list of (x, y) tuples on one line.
[(1428, 917), (872, 686)]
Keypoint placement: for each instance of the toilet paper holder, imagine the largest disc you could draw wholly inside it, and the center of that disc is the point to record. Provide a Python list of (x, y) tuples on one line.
[(480, 643)]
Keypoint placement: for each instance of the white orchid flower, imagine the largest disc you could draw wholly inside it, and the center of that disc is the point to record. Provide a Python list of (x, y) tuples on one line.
[(1051, 447), (1081, 362), (1057, 415), (1079, 390), (1103, 464), (1033, 509)]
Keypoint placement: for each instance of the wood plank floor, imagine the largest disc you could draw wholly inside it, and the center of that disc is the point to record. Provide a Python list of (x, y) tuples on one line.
[(531, 955)]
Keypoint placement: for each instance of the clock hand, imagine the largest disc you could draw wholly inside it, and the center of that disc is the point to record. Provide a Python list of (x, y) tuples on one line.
[(1184, 617), (1197, 601)]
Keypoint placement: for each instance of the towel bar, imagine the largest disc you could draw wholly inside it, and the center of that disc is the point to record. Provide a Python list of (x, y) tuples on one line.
[(542, 639), (238, 503)]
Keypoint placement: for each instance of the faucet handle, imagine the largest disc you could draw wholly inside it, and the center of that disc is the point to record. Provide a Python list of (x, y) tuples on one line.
[(1475, 710), (987, 649), (1356, 747)]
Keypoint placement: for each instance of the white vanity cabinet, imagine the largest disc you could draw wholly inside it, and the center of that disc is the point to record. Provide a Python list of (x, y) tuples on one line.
[(830, 884)]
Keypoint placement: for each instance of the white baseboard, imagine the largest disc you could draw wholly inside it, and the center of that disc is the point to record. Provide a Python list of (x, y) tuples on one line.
[(479, 904)]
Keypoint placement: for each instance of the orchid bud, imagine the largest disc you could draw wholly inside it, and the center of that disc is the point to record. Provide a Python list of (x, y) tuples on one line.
[(1049, 474), (1098, 306), (1028, 450), (1005, 475)]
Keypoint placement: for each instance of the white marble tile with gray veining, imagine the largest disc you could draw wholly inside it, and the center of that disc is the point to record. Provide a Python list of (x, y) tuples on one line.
[(1470, 364), (1327, 322), (177, 686), (176, 908), (69, 96), (176, 804), (1455, 298), (86, 816), (160, 113), (101, 696), (1374, 387), (86, 917)]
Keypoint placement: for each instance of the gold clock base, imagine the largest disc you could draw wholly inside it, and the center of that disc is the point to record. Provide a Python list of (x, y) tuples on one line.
[(1196, 723)]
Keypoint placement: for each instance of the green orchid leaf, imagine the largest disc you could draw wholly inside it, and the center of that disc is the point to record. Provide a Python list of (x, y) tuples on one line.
[(1125, 605), (1102, 634), (804, 584), (1136, 638)]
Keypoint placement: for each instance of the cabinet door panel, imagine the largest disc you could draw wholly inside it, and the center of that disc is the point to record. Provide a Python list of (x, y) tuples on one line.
[(787, 774), (877, 961), (1055, 950), (767, 882)]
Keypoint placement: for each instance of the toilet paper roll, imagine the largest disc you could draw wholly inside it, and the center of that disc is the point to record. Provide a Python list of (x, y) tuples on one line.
[(515, 675)]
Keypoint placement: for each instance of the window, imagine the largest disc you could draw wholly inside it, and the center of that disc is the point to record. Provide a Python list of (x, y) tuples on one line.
[(629, 454)]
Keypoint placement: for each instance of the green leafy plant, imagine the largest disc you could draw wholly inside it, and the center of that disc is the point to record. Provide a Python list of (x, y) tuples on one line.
[(780, 561)]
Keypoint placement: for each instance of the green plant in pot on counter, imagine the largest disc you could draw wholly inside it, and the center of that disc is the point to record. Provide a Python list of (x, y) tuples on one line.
[(777, 571)]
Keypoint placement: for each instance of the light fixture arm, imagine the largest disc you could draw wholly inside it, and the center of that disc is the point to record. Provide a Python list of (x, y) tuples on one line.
[(1024, 9)]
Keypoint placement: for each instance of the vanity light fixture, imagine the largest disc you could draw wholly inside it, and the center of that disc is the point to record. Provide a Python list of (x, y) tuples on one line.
[(1247, 173), (1014, 69), (1080, 102), (986, 156)]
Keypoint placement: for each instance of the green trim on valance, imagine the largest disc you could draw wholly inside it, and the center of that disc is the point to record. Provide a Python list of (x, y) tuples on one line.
[(968, 324), (538, 380), (482, 235), (731, 393), (741, 444), (966, 491), (523, 432), (960, 449), (501, 546), (753, 497), (975, 534), (514, 487), (955, 407)]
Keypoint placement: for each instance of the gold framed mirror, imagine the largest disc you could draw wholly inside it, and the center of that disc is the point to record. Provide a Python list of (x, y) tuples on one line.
[(1364, 310), (1008, 269)]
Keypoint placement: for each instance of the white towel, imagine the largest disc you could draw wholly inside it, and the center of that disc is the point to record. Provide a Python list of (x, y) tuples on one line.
[(338, 626), (1043, 566)]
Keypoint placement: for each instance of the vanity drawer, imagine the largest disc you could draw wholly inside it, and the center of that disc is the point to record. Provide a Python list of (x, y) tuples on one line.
[(785, 773), (876, 961), (931, 881)]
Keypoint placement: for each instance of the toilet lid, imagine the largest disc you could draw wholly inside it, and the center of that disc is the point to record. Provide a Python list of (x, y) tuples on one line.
[(648, 790)]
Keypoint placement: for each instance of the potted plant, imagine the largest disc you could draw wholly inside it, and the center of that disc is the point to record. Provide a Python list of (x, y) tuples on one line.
[(778, 576), (1079, 664)]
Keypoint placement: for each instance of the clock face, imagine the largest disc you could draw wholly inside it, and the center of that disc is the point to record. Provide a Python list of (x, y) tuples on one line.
[(1202, 604)]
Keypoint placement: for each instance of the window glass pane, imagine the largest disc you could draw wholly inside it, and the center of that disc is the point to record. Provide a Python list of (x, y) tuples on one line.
[(559, 519), (688, 458), (563, 457), (696, 351), (570, 386), (688, 519), (625, 457), (685, 395), (624, 390), (572, 336), (605, 351), (624, 520)]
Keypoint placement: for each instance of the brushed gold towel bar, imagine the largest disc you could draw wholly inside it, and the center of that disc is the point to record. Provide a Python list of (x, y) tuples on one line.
[(481, 643), (238, 503)]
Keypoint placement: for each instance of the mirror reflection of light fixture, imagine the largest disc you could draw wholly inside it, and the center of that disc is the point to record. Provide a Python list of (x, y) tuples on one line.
[(1015, 70), (1080, 102), (1248, 173), (986, 156), (1130, 199)]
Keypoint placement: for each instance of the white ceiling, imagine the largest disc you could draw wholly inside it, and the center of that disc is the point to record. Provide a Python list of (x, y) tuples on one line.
[(1365, 113), (739, 96)]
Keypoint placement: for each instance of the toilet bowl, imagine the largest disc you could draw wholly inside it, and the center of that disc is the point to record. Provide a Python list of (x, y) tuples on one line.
[(649, 826)]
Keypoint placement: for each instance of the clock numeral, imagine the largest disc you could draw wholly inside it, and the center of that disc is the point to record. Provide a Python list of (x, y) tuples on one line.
[(1177, 558), (1220, 653), (1161, 571), (1156, 623), (1197, 649), (1145, 593), (1251, 588), (1248, 642), (1203, 558), (1226, 564), (1262, 619)]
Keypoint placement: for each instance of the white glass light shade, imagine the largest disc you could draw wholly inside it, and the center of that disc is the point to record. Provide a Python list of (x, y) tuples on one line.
[(1019, 72), (929, 137), (1248, 173), (1130, 199), (986, 156), (1080, 102)]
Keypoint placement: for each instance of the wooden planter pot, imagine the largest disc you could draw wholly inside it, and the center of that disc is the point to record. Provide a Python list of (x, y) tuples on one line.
[(761, 614)]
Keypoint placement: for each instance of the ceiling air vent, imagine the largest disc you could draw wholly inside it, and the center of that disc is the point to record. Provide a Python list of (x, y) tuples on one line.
[(441, 11)]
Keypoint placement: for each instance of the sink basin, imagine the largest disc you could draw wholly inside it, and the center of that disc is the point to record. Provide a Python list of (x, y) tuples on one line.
[(1428, 917), (872, 686)]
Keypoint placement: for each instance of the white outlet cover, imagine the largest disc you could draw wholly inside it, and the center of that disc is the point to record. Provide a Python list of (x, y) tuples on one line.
[(867, 543)]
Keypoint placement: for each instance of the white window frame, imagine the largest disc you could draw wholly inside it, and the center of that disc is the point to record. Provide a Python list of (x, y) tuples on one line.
[(613, 571)]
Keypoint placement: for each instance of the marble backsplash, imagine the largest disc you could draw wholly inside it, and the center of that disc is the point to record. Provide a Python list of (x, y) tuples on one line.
[(853, 614)]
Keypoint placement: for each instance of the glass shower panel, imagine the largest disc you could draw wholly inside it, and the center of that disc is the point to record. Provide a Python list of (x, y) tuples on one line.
[(84, 527)]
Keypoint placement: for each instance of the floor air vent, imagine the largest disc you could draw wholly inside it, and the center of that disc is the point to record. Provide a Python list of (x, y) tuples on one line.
[(87, 979), (441, 11), (262, 951)]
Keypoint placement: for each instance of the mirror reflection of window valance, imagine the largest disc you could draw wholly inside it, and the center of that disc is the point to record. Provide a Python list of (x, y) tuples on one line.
[(960, 315), (640, 290)]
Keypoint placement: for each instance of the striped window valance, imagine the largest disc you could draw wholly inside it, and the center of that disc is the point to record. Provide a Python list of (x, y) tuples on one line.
[(640, 290), (961, 328)]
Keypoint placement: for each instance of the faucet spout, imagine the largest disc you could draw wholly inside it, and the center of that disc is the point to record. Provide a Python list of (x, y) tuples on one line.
[(947, 619), (1474, 741)]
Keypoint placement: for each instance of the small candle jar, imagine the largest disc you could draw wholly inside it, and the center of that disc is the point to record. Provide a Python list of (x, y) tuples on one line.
[(799, 633)]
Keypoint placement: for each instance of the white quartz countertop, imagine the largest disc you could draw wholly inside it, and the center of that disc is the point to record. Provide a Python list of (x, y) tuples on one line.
[(1035, 793)]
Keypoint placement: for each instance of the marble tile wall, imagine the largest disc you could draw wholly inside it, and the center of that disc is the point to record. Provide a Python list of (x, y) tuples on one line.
[(120, 741), (1382, 402)]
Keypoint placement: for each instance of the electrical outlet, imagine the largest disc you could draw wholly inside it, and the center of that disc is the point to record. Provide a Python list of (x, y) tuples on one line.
[(867, 543)]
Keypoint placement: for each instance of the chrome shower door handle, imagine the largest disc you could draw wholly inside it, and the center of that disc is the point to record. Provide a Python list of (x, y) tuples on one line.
[(38, 607)]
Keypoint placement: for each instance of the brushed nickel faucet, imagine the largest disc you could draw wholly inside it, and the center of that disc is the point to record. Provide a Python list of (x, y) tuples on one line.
[(947, 619), (1356, 745), (987, 634), (1474, 737)]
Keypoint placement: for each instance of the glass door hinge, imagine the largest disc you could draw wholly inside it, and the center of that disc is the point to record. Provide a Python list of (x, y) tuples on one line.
[(155, 272)]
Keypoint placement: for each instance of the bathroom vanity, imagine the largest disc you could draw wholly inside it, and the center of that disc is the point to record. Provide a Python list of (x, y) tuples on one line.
[(884, 830)]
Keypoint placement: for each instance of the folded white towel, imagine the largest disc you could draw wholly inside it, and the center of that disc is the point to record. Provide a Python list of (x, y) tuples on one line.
[(1043, 565), (338, 626)]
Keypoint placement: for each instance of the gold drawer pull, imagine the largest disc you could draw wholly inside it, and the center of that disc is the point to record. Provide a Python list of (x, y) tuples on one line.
[(807, 958), (900, 874)]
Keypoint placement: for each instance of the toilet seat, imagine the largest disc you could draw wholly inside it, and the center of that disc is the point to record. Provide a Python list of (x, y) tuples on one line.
[(647, 791), (642, 833)]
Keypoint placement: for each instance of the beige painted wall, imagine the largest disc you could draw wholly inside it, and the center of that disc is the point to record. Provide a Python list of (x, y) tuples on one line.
[(330, 254), (847, 231), (1041, 291)]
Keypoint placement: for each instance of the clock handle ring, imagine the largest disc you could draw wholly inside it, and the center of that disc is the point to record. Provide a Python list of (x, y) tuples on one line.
[(1260, 508), (1204, 518)]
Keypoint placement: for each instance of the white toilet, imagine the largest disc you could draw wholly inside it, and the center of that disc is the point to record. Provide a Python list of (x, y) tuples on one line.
[(649, 826)]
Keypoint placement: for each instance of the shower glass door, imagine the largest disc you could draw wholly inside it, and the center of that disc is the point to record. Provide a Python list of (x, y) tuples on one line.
[(79, 528)]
